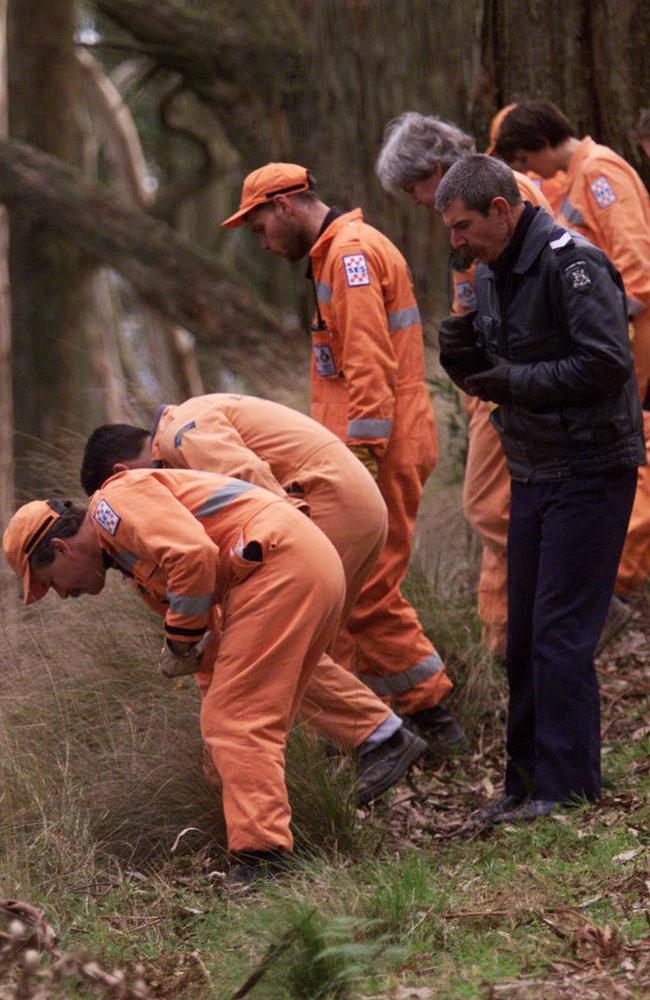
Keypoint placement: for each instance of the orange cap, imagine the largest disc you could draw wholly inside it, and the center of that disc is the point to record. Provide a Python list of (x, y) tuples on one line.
[(26, 529), (262, 185), (495, 126)]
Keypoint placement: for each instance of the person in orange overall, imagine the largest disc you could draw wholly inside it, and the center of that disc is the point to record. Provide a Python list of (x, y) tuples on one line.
[(606, 201), (292, 455), (193, 542), (367, 382), (416, 153)]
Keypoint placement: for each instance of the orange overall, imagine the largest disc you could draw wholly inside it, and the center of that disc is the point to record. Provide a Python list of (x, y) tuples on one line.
[(607, 202), (280, 449), (486, 489), (192, 540), (368, 388)]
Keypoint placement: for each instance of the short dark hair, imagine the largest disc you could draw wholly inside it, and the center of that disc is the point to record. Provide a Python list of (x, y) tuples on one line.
[(68, 524), (107, 445), (477, 180), (530, 126)]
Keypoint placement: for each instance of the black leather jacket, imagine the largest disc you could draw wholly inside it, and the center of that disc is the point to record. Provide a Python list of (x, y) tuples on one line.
[(574, 406)]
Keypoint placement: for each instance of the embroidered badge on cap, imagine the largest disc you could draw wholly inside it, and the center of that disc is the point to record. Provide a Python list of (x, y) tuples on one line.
[(603, 192), (466, 294), (577, 275), (356, 269), (106, 517)]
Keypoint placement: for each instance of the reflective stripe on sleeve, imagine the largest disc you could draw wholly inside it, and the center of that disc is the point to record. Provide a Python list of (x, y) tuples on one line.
[(180, 434), (571, 214), (126, 559), (323, 291), (400, 683), (370, 428), (223, 497), (402, 318), (182, 604)]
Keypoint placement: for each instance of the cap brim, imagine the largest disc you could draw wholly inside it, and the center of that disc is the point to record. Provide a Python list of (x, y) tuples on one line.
[(239, 218), (33, 589)]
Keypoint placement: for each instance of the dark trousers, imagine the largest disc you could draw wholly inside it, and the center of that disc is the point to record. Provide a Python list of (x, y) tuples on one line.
[(564, 545)]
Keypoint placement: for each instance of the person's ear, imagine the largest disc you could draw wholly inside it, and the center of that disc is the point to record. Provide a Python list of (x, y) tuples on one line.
[(120, 467), (60, 546)]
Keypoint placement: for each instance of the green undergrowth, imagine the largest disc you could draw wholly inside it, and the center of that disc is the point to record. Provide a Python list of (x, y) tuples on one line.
[(453, 917), (108, 824)]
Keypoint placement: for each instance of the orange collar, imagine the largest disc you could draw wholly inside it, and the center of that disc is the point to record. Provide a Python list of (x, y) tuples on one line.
[(325, 238)]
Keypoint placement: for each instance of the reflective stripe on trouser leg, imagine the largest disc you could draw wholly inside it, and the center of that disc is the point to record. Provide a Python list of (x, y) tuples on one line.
[(407, 680), (277, 623)]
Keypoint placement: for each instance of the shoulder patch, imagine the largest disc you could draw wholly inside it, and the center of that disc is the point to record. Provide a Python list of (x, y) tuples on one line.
[(106, 517), (466, 294), (577, 274), (603, 192), (356, 269)]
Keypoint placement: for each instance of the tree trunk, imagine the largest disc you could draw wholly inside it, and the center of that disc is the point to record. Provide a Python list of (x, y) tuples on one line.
[(180, 280), (589, 57), (44, 266)]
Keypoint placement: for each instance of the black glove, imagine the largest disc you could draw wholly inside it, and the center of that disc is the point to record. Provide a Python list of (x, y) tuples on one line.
[(492, 385), (457, 333)]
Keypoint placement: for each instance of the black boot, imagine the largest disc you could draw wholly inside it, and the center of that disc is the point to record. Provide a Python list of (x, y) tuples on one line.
[(251, 866), (441, 730), (381, 766)]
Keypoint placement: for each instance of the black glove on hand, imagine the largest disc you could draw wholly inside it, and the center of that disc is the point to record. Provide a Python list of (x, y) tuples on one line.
[(457, 333), (492, 385)]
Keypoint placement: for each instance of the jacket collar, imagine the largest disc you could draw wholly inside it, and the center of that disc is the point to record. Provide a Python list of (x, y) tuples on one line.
[(328, 235), (539, 234)]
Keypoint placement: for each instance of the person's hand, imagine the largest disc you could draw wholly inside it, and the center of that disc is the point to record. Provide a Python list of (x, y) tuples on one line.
[(367, 458), (492, 385), (177, 659), (457, 333)]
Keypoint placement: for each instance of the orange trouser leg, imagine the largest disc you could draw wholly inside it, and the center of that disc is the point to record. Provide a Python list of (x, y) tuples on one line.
[(276, 625), (340, 706), (486, 503), (634, 567), (394, 656), (347, 506)]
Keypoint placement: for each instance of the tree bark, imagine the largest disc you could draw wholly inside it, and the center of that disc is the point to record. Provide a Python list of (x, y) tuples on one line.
[(179, 279), (48, 361), (589, 57)]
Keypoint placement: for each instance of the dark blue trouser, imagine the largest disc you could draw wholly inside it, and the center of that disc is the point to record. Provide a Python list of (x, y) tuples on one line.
[(564, 545)]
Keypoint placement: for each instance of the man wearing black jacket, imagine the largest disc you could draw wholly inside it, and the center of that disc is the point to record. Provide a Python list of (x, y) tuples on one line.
[(549, 344)]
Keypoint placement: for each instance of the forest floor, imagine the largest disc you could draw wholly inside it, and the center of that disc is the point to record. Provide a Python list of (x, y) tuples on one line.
[(409, 900)]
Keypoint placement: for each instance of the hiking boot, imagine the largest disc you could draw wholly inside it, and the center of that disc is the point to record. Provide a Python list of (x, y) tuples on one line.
[(443, 733), (493, 812), (527, 811), (253, 866), (380, 767), (618, 616)]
